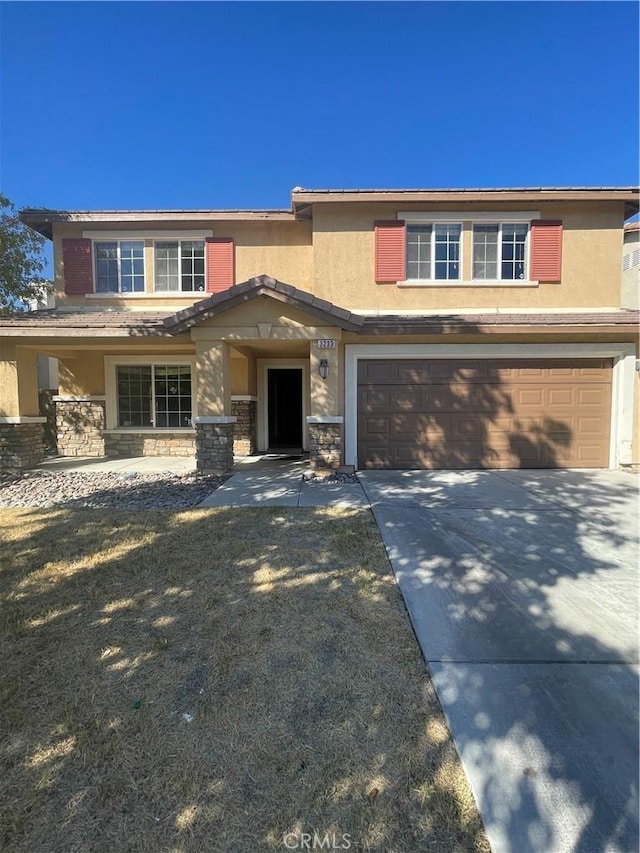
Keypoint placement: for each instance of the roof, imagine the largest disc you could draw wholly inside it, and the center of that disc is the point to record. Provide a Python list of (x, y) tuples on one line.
[(630, 227), (137, 324), (62, 322), (263, 285), (302, 197), (42, 219), (424, 325)]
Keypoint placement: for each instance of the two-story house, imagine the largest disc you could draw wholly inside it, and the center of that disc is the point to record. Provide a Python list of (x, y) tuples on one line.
[(375, 328)]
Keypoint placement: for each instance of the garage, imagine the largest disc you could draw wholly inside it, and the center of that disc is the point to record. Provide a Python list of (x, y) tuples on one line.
[(483, 413)]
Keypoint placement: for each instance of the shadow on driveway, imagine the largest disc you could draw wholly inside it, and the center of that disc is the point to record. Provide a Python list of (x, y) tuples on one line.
[(522, 588)]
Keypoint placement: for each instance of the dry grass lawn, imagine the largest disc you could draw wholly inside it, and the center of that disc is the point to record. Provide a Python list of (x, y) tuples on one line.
[(211, 680)]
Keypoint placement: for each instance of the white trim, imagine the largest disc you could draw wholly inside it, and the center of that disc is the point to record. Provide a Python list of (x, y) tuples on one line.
[(215, 419), (22, 419), (150, 294), (262, 366), (424, 217), (442, 282), (106, 236), (110, 364), (82, 398), (179, 241), (243, 398), (476, 282), (325, 419), (624, 356), (182, 431), (121, 294)]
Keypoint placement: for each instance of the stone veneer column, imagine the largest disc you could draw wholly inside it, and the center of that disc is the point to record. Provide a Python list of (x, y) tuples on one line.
[(325, 441), (214, 443), (244, 409), (21, 442), (80, 423)]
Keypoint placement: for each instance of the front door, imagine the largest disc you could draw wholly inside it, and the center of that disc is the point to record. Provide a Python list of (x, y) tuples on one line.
[(284, 408)]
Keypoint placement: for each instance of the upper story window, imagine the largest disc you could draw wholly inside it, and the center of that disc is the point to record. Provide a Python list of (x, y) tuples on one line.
[(500, 251), (433, 251), (179, 265), (119, 266)]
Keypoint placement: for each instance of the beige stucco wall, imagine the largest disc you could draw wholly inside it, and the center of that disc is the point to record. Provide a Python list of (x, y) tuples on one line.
[(82, 374), (18, 381), (635, 452), (343, 242), (282, 250)]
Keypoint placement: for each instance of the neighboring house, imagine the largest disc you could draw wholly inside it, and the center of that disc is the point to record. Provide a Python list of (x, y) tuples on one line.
[(631, 266), (375, 328)]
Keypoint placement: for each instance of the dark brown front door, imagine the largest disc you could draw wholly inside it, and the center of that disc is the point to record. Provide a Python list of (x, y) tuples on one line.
[(522, 413)]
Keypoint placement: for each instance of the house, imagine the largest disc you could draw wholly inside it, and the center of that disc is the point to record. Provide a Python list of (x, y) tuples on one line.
[(377, 328), (631, 266)]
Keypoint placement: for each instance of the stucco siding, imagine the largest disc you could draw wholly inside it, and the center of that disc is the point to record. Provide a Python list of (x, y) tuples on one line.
[(343, 242)]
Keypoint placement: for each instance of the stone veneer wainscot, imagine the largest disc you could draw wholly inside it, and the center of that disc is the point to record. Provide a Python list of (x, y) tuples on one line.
[(21, 443), (80, 425), (214, 443), (325, 442)]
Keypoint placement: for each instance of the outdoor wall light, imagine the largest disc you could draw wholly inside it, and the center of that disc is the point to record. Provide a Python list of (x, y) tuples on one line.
[(323, 368)]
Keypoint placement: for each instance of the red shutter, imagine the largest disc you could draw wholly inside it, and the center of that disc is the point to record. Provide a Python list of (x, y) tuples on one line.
[(220, 272), (78, 272), (390, 251), (546, 250)]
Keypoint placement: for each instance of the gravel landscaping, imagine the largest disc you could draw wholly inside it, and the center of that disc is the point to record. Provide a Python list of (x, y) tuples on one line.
[(99, 489), (121, 490)]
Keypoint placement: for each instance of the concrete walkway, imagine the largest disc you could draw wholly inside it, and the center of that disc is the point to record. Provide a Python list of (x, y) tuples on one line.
[(273, 481), (133, 465), (522, 587)]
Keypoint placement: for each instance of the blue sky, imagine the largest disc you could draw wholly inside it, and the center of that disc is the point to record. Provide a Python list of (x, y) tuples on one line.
[(187, 105)]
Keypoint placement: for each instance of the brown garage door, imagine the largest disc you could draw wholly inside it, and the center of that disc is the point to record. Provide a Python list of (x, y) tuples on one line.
[(531, 413)]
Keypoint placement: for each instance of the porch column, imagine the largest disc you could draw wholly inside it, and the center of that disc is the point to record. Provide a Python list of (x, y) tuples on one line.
[(21, 426), (214, 422), (324, 422)]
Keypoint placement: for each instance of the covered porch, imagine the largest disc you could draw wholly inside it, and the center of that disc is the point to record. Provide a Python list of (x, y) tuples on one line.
[(256, 369)]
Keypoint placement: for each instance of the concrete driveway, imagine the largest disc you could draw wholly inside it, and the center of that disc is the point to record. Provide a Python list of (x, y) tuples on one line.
[(522, 587)]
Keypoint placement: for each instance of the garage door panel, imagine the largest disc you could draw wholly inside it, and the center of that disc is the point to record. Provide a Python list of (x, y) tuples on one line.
[(484, 414)]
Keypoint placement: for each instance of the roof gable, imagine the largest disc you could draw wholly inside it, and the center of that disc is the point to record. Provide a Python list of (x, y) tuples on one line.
[(262, 285)]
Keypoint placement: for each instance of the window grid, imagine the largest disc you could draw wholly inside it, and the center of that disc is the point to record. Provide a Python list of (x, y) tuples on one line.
[(164, 390), (119, 266), (180, 266), (510, 242), (433, 251)]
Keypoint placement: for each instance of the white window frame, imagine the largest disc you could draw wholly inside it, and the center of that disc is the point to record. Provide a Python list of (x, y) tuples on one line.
[(432, 262), (109, 238), (480, 217), (179, 241), (112, 362), (104, 236), (499, 259)]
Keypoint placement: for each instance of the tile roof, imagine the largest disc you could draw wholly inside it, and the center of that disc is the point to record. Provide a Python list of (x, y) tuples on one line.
[(258, 286)]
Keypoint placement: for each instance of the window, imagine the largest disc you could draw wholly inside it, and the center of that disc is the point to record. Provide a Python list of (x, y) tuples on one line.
[(119, 266), (179, 265), (500, 251), (433, 251), (154, 395)]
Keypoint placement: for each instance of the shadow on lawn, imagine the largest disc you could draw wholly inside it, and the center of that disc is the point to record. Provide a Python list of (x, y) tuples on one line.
[(212, 680)]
